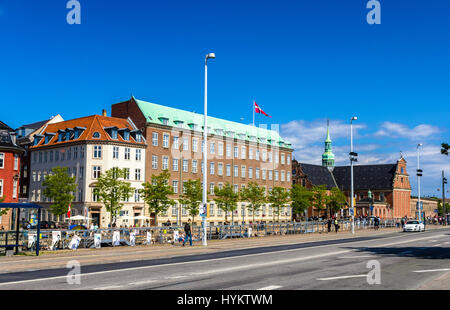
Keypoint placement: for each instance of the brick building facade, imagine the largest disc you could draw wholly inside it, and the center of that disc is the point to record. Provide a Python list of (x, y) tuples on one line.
[(237, 154)]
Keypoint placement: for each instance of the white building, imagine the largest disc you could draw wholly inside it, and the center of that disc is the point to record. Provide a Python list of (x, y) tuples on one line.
[(89, 146)]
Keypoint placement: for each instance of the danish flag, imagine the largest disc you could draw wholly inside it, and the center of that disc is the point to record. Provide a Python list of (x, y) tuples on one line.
[(259, 110), (68, 211)]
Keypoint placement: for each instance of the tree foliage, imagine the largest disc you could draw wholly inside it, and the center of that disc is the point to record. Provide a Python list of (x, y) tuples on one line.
[(336, 200), (192, 197), (255, 195), (226, 199), (445, 147), (156, 193), (301, 199), (112, 191), (319, 197), (278, 198), (59, 188)]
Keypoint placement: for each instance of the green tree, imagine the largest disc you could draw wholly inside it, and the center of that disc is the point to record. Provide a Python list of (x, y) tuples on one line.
[(192, 197), (255, 195), (336, 200), (3, 211), (445, 148), (226, 199), (59, 187), (278, 198), (301, 198), (156, 193), (319, 198), (112, 191), (441, 209)]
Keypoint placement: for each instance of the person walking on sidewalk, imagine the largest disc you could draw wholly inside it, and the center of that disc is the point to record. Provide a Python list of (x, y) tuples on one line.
[(329, 225), (336, 225), (188, 232)]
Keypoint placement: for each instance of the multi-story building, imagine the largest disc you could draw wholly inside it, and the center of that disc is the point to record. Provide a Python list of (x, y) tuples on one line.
[(237, 154), (10, 154), (89, 146), (380, 190), (25, 137), (429, 207)]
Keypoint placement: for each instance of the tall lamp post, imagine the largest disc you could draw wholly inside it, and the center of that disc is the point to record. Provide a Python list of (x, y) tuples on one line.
[(203, 211), (444, 211), (419, 174), (353, 158)]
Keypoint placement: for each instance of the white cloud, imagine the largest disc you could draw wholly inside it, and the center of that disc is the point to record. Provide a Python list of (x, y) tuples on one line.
[(397, 130)]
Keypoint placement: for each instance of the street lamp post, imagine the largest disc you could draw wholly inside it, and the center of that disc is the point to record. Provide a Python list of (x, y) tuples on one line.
[(205, 147), (353, 157), (419, 174)]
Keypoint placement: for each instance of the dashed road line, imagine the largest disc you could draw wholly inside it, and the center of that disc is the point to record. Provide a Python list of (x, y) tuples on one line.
[(269, 288), (343, 277), (432, 270), (111, 287)]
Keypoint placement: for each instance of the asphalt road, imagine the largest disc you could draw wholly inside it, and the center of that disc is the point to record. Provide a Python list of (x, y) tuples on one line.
[(404, 261)]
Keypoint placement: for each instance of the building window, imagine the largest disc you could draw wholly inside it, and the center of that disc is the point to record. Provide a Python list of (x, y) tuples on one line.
[(154, 162), (137, 174), (175, 164), (2, 160), (282, 158), (270, 175), (228, 150), (220, 168), (228, 170), (264, 156), (282, 175), (185, 144), (288, 160), (211, 188), (155, 139), (220, 149), (236, 188), (185, 165), (257, 173), (175, 186), (95, 195), (175, 144), (96, 135), (175, 210), (264, 174), (236, 152), (236, 171), (137, 197), (243, 171), (97, 151), (14, 189), (138, 154), (194, 145), (288, 176), (211, 168), (276, 176), (211, 209), (212, 148), (165, 165), (97, 171), (270, 157), (115, 152), (16, 161), (194, 166), (250, 172), (257, 154), (75, 153), (250, 153), (127, 153)]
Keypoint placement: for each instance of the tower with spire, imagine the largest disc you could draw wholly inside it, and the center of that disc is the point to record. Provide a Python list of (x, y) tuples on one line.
[(328, 156)]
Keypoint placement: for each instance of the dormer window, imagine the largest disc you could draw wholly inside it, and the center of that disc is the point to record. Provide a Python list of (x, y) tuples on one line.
[(193, 126), (230, 133), (125, 133), (179, 123), (37, 139), (77, 132), (138, 137), (114, 133), (219, 132), (48, 137), (241, 136), (96, 135), (164, 120)]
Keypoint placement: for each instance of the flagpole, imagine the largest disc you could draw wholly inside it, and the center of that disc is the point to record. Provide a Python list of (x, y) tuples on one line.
[(253, 108)]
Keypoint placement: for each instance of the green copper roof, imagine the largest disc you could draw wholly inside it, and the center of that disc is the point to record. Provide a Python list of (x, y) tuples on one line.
[(163, 115), (328, 156)]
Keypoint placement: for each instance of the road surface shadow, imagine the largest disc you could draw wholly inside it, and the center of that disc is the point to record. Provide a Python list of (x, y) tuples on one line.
[(432, 252)]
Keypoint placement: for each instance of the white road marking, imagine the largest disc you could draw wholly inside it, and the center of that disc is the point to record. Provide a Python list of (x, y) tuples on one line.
[(343, 277), (142, 282), (269, 288), (438, 244), (108, 287), (227, 258), (432, 270), (175, 277), (362, 256)]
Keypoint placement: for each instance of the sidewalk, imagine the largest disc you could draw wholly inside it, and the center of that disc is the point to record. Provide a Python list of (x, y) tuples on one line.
[(59, 259)]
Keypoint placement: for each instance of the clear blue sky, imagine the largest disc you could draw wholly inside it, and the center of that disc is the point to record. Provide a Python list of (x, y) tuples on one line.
[(300, 60)]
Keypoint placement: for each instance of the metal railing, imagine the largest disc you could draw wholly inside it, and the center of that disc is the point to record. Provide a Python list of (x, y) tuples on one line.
[(166, 234)]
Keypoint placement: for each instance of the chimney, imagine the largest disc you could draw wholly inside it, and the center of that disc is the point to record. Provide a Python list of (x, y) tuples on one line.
[(104, 112)]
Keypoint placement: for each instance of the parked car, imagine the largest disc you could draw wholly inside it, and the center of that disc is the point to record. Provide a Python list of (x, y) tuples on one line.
[(414, 226)]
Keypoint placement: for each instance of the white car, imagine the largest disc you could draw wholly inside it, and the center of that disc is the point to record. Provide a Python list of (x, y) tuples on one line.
[(414, 226)]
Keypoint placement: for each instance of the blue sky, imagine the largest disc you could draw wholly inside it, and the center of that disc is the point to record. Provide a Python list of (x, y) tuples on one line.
[(302, 61)]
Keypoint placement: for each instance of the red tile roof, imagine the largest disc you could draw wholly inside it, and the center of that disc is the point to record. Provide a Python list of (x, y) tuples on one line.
[(94, 123)]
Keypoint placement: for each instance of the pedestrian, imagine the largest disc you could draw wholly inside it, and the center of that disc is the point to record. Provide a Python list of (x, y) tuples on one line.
[(336, 225), (188, 232), (376, 223), (329, 225)]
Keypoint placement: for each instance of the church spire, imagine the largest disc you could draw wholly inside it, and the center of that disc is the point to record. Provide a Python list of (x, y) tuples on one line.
[(328, 156)]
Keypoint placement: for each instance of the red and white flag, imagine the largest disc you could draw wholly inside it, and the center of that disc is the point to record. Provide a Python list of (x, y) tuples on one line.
[(68, 211), (259, 110)]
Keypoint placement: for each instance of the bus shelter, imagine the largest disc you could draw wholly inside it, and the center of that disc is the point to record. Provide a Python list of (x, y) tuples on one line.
[(19, 206)]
